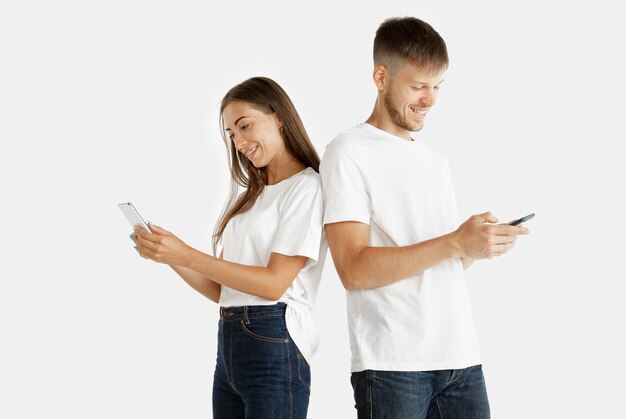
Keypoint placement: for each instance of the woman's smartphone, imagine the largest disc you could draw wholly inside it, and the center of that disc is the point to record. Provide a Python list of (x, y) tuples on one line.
[(133, 216), (522, 220)]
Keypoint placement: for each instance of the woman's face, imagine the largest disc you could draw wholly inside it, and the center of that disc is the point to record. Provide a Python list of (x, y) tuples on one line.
[(255, 133)]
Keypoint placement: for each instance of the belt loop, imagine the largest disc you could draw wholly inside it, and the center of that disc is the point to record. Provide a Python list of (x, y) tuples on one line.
[(245, 314)]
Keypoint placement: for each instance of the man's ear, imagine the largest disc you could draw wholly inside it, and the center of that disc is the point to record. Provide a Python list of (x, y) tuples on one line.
[(380, 76)]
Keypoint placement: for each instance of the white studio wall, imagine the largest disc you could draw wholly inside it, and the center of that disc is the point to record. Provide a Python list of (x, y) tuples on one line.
[(107, 102)]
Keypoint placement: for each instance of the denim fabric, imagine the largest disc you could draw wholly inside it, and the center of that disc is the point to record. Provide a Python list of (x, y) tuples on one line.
[(444, 394), (260, 372)]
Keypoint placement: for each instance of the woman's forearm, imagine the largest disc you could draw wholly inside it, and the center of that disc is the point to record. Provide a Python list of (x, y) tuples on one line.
[(199, 282), (269, 282)]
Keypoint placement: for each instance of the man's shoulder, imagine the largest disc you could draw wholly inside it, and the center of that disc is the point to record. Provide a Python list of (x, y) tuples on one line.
[(347, 140)]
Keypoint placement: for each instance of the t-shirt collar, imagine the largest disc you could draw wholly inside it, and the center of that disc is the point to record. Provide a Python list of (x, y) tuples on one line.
[(379, 131)]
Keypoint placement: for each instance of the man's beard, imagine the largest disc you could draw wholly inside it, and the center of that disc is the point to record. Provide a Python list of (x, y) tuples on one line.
[(395, 115)]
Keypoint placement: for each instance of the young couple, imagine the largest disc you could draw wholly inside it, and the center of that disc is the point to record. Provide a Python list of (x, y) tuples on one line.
[(383, 202)]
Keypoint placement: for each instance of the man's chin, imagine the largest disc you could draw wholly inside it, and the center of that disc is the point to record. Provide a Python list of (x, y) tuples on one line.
[(415, 127), (411, 126)]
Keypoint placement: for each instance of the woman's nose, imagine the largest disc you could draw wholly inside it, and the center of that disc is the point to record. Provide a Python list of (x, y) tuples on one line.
[(239, 143)]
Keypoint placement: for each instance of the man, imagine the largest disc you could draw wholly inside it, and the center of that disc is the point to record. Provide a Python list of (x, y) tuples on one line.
[(392, 226)]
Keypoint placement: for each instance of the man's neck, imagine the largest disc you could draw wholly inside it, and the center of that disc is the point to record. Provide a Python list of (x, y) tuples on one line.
[(381, 120)]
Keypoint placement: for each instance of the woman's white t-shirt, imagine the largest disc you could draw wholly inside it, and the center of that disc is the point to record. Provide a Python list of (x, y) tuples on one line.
[(403, 190), (286, 219)]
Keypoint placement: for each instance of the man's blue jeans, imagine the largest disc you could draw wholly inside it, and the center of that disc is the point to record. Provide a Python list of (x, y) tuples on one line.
[(260, 373), (445, 394)]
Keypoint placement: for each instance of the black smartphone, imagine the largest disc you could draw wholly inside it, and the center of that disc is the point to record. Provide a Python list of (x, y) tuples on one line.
[(522, 220)]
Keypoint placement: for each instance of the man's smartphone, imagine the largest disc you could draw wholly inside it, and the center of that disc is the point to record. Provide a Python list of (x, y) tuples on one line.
[(133, 216), (522, 220)]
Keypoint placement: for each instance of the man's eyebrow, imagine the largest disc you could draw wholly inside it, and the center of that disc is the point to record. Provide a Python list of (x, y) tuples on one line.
[(423, 82), (238, 119)]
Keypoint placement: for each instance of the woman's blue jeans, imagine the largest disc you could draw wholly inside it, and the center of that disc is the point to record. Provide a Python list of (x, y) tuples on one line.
[(260, 372)]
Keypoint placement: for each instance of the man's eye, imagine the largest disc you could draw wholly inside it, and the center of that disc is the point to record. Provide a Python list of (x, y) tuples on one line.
[(417, 88)]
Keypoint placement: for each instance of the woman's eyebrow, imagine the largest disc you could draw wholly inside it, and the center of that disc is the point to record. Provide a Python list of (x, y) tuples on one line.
[(238, 119)]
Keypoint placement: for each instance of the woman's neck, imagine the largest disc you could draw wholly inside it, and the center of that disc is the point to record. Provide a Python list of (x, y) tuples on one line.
[(282, 169)]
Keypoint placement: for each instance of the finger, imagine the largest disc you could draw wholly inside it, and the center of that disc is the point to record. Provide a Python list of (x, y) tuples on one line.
[(521, 231), (146, 252), (159, 230), (139, 252), (502, 248), (146, 235), (137, 228), (144, 242), (509, 230), (504, 240), (507, 247), (498, 249), (485, 217)]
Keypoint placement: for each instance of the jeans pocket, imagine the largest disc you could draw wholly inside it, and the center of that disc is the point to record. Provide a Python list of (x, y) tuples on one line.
[(304, 371), (265, 331)]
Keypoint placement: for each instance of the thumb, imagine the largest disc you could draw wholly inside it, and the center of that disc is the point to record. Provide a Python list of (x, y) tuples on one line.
[(486, 217), (158, 230)]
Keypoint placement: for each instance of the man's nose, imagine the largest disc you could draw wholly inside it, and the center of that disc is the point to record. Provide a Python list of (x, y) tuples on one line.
[(429, 98)]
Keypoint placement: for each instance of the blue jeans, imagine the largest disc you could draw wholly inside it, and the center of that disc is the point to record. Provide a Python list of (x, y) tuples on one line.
[(444, 394), (260, 372)]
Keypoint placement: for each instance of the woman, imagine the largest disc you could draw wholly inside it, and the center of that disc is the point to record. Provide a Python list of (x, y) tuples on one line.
[(268, 272)]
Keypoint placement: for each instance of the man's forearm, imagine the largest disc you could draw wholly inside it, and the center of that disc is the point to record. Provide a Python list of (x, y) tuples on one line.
[(373, 267)]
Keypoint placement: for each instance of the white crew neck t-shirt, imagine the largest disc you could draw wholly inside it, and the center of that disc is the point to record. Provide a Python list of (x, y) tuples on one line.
[(285, 219), (403, 191)]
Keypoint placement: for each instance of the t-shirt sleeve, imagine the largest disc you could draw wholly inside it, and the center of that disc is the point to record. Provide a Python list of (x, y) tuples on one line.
[(345, 188), (300, 227)]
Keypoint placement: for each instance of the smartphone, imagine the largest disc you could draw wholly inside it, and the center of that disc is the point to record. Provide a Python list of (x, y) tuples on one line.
[(522, 220), (133, 216)]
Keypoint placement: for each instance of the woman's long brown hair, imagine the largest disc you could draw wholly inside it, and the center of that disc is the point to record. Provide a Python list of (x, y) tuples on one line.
[(266, 94)]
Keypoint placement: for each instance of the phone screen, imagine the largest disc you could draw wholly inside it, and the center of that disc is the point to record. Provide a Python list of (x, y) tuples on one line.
[(132, 215)]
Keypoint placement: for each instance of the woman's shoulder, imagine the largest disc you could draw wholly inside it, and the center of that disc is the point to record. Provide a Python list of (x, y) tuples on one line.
[(308, 179), (307, 182)]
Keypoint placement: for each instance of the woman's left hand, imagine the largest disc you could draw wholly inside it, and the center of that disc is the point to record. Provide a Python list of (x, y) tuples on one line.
[(161, 246)]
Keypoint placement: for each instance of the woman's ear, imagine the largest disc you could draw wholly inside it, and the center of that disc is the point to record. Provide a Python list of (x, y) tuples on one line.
[(279, 122)]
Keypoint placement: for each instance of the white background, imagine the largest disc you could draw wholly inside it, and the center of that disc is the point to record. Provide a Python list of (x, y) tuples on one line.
[(106, 102)]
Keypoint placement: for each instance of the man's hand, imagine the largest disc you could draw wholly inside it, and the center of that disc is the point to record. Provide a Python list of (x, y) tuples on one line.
[(480, 238)]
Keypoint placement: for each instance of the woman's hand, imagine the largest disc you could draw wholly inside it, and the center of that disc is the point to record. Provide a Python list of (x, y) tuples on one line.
[(161, 246)]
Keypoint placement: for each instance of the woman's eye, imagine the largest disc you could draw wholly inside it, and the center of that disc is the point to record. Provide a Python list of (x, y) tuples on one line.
[(245, 126), (230, 137)]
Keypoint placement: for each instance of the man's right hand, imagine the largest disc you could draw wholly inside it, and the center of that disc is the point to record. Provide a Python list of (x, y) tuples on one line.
[(480, 238)]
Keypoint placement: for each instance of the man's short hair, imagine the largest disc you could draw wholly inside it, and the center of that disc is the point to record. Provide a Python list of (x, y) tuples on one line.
[(408, 39)]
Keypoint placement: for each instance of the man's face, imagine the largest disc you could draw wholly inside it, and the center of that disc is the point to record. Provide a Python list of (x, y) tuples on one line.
[(410, 94)]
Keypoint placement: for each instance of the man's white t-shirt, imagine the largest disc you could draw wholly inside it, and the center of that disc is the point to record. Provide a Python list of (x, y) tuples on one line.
[(403, 191), (285, 219)]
